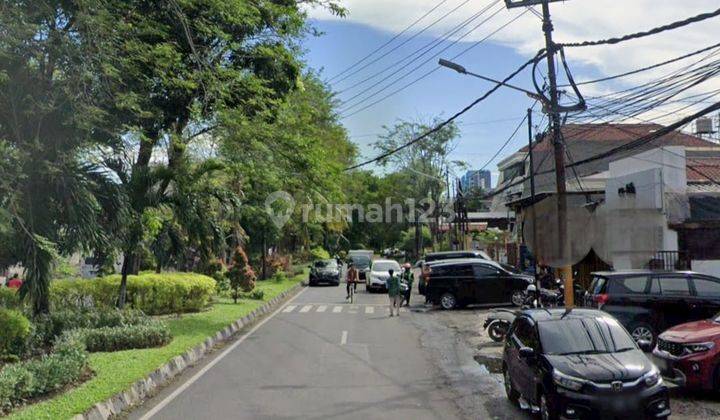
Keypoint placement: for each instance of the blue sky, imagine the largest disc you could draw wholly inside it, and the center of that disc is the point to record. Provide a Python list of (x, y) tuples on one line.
[(485, 128)]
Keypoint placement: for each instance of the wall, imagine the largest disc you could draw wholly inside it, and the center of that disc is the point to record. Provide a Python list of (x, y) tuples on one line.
[(637, 224), (710, 267)]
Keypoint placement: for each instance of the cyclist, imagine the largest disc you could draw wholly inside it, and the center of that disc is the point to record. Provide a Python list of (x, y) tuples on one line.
[(351, 278)]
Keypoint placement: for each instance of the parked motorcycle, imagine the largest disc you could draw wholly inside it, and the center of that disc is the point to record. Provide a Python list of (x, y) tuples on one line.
[(498, 323)]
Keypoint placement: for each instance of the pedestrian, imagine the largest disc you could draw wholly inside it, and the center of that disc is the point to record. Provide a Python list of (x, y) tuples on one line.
[(393, 287), (14, 282), (351, 279), (408, 278), (424, 274)]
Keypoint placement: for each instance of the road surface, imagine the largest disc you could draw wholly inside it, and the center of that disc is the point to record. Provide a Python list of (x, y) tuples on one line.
[(319, 357)]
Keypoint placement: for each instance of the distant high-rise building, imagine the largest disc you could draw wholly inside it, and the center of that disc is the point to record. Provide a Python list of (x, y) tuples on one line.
[(476, 179)]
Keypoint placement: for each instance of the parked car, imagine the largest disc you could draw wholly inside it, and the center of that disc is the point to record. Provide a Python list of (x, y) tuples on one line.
[(456, 283), (689, 354), (649, 302), (580, 363), (379, 273), (325, 271), (453, 255)]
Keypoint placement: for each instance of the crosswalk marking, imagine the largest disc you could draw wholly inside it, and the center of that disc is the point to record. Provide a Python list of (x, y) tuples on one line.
[(337, 309)]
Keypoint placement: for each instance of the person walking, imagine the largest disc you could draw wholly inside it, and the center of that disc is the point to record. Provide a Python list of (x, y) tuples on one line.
[(408, 278), (393, 287)]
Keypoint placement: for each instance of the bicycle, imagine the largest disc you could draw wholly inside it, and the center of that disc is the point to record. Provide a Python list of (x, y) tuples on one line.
[(352, 287)]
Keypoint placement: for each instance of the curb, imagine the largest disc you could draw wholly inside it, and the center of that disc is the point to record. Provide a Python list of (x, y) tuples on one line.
[(161, 376)]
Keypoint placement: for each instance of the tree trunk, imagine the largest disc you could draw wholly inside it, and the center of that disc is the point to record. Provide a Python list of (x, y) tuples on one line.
[(264, 256), (127, 260)]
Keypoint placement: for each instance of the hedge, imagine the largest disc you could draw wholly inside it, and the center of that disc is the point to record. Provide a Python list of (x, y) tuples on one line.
[(154, 294), (125, 337), (9, 298), (14, 331), (37, 377), (47, 327)]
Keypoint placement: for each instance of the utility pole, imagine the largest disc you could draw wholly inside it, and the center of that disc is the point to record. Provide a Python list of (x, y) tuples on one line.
[(532, 190), (558, 147)]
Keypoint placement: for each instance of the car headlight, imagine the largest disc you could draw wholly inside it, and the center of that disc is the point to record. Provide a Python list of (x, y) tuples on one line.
[(698, 347), (653, 377), (566, 381)]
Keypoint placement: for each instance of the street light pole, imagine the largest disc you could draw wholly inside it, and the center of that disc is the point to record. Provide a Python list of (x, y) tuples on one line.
[(565, 271)]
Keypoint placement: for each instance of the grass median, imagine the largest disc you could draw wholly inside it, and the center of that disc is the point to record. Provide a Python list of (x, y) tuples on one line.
[(115, 372)]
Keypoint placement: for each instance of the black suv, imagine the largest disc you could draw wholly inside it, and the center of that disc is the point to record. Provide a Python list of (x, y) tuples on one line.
[(580, 363), (325, 271), (649, 302), (456, 283), (454, 255)]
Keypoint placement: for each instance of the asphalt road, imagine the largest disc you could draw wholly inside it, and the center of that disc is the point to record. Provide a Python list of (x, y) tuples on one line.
[(320, 357)]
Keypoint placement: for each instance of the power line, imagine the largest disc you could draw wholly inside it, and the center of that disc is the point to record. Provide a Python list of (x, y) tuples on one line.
[(407, 73), (522, 122), (654, 66), (446, 122), (415, 35), (398, 35), (426, 48), (637, 35), (423, 76)]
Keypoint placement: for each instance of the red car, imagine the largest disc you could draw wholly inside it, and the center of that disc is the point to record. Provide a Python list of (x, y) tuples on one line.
[(689, 354)]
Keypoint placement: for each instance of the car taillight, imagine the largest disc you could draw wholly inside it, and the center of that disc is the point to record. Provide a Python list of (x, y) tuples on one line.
[(600, 299)]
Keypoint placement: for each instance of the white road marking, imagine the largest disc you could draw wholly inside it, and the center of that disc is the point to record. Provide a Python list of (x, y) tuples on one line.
[(162, 404), (343, 339), (321, 308), (369, 309), (305, 308), (289, 308), (337, 309)]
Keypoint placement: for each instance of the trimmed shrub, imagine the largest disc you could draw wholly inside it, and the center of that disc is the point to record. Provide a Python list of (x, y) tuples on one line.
[(139, 336), (37, 377), (154, 294), (14, 331), (257, 294), (47, 327), (9, 298), (241, 275)]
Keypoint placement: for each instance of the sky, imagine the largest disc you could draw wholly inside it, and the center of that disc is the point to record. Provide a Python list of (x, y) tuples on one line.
[(487, 39)]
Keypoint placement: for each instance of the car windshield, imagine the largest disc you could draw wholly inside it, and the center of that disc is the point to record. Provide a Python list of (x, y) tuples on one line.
[(386, 266), (510, 268), (584, 336), (326, 264), (361, 262)]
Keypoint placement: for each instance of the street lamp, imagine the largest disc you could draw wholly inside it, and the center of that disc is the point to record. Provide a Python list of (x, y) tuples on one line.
[(462, 70)]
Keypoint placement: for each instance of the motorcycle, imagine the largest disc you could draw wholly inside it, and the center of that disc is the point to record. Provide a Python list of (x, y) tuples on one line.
[(498, 323)]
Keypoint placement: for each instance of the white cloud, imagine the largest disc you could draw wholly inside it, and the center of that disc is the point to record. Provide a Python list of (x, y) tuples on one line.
[(574, 20)]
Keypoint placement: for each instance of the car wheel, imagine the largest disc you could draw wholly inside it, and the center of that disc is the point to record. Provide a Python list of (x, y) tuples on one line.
[(518, 298), (497, 331), (510, 391), (643, 331), (312, 283), (448, 301), (547, 412)]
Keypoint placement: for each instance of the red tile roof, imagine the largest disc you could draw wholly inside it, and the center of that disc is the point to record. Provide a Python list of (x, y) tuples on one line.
[(619, 133), (700, 169)]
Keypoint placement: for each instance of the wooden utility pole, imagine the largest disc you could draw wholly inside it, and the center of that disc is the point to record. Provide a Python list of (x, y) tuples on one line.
[(558, 147)]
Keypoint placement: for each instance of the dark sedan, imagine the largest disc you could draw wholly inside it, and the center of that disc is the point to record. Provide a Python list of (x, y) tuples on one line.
[(325, 271), (580, 363)]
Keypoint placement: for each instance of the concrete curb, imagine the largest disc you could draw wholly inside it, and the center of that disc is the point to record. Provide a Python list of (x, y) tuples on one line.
[(160, 377)]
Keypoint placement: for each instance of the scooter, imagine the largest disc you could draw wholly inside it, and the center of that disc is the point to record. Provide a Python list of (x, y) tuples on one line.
[(498, 323)]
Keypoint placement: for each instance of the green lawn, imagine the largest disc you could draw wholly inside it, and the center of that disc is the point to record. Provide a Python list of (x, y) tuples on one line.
[(115, 372)]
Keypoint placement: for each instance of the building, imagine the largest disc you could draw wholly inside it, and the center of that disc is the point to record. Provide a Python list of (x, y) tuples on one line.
[(476, 179), (626, 210)]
